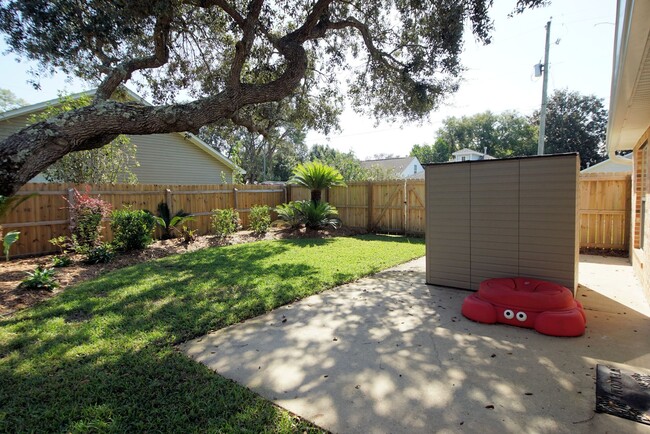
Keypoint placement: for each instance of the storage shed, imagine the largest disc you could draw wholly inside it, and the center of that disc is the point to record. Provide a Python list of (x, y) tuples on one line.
[(503, 218)]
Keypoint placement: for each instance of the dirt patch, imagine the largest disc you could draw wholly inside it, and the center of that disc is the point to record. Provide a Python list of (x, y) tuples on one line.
[(14, 298), (604, 252)]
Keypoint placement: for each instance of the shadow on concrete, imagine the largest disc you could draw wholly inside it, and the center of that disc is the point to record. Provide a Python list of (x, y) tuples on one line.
[(392, 354)]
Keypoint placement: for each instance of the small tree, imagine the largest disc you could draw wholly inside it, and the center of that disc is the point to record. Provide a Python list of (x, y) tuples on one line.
[(86, 214), (108, 165), (316, 176)]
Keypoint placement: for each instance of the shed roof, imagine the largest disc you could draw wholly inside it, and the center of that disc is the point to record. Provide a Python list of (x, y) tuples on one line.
[(396, 164)]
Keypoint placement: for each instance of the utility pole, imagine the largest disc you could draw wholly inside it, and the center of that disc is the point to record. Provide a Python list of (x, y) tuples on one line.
[(542, 115)]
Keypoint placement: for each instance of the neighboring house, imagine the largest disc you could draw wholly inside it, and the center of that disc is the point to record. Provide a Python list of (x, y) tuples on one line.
[(172, 158), (629, 121), (401, 167), (611, 166), (467, 154)]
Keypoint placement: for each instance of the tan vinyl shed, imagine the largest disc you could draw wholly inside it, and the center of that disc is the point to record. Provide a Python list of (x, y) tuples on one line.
[(502, 218)]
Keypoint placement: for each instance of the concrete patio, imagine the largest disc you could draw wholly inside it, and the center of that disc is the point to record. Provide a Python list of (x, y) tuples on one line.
[(391, 354)]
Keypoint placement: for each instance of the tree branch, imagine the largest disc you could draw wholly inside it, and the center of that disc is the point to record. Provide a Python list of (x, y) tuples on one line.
[(243, 46), (122, 72)]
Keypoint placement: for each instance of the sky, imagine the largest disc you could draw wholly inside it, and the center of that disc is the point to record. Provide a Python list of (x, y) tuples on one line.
[(498, 76)]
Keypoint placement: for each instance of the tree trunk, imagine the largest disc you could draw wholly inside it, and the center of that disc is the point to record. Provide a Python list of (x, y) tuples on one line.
[(316, 195)]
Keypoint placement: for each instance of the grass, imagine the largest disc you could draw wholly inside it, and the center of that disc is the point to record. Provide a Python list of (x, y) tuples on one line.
[(100, 357)]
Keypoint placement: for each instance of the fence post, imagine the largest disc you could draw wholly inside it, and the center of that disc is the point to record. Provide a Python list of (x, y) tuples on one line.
[(71, 203), (235, 205), (168, 201), (405, 205), (370, 205), (286, 193)]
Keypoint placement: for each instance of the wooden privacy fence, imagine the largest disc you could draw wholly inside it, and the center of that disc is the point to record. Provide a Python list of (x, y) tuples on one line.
[(605, 207), (387, 206), (46, 216)]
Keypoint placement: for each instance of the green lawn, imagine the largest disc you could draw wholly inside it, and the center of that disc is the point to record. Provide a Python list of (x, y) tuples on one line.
[(100, 357)]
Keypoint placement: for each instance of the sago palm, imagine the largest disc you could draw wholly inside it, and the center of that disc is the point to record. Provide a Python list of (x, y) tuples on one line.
[(316, 176)]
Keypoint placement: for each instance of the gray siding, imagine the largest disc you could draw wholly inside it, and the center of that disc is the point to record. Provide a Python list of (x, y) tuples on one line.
[(500, 218), (173, 159), (164, 158)]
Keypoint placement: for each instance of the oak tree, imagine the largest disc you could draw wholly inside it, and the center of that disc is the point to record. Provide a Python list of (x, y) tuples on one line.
[(227, 56)]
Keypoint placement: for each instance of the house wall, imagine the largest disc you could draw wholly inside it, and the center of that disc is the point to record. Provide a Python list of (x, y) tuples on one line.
[(164, 158), (640, 243), (502, 218), (409, 169), (173, 159)]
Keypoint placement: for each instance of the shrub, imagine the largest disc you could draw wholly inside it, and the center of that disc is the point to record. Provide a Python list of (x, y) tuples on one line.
[(289, 215), (61, 261), (62, 243), (188, 235), (86, 214), (225, 222), (260, 219), (40, 278), (318, 215), (314, 215), (170, 224), (102, 253), (132, 229)]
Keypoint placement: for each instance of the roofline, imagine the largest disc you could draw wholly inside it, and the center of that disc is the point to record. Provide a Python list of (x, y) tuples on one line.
[(134, 96), (387, 159), (609, 160), (629, 49), (523, 157)]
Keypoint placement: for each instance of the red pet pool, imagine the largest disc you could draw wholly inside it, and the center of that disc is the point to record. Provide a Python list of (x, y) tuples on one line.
[(547, 307)]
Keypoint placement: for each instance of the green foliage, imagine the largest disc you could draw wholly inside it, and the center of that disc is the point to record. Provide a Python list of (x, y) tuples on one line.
[(316, 176), (260, 219), (108, 165), (288, 215), (86, 214), (346, 163), (102, 253), (40, 278), (575, 123), (507, 134), (225, 222), (8, 203), (318, 215), (188, 235), (9, 101), (61, 261), (169, 223), (314, 215), (132, 229), (103, 352), (9, 239), (61, 242)]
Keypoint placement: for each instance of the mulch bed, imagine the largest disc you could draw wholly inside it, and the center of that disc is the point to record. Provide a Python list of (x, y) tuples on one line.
[(14, 298)]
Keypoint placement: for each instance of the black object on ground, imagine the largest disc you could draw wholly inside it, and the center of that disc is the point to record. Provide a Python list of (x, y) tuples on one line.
[(623, 393)]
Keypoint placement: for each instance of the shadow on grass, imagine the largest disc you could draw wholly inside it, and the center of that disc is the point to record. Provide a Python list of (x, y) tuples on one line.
[(100, 356)]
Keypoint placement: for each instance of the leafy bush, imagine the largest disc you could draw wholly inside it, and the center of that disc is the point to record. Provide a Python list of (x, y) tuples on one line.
[(318, 215), (314, 215), (86, 214), (132, 229), (61, 242), (40, 278), (102, 253), (289, 215), (61, 261), (169, 223), (316, 176), (188, 235), (225, 222), (260, 219)]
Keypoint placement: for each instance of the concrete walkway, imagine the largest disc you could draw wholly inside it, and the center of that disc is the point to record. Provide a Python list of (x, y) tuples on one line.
[(390, 354)]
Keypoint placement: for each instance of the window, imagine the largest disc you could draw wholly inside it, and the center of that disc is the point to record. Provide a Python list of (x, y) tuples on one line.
[(415, 168), (462, 158)]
